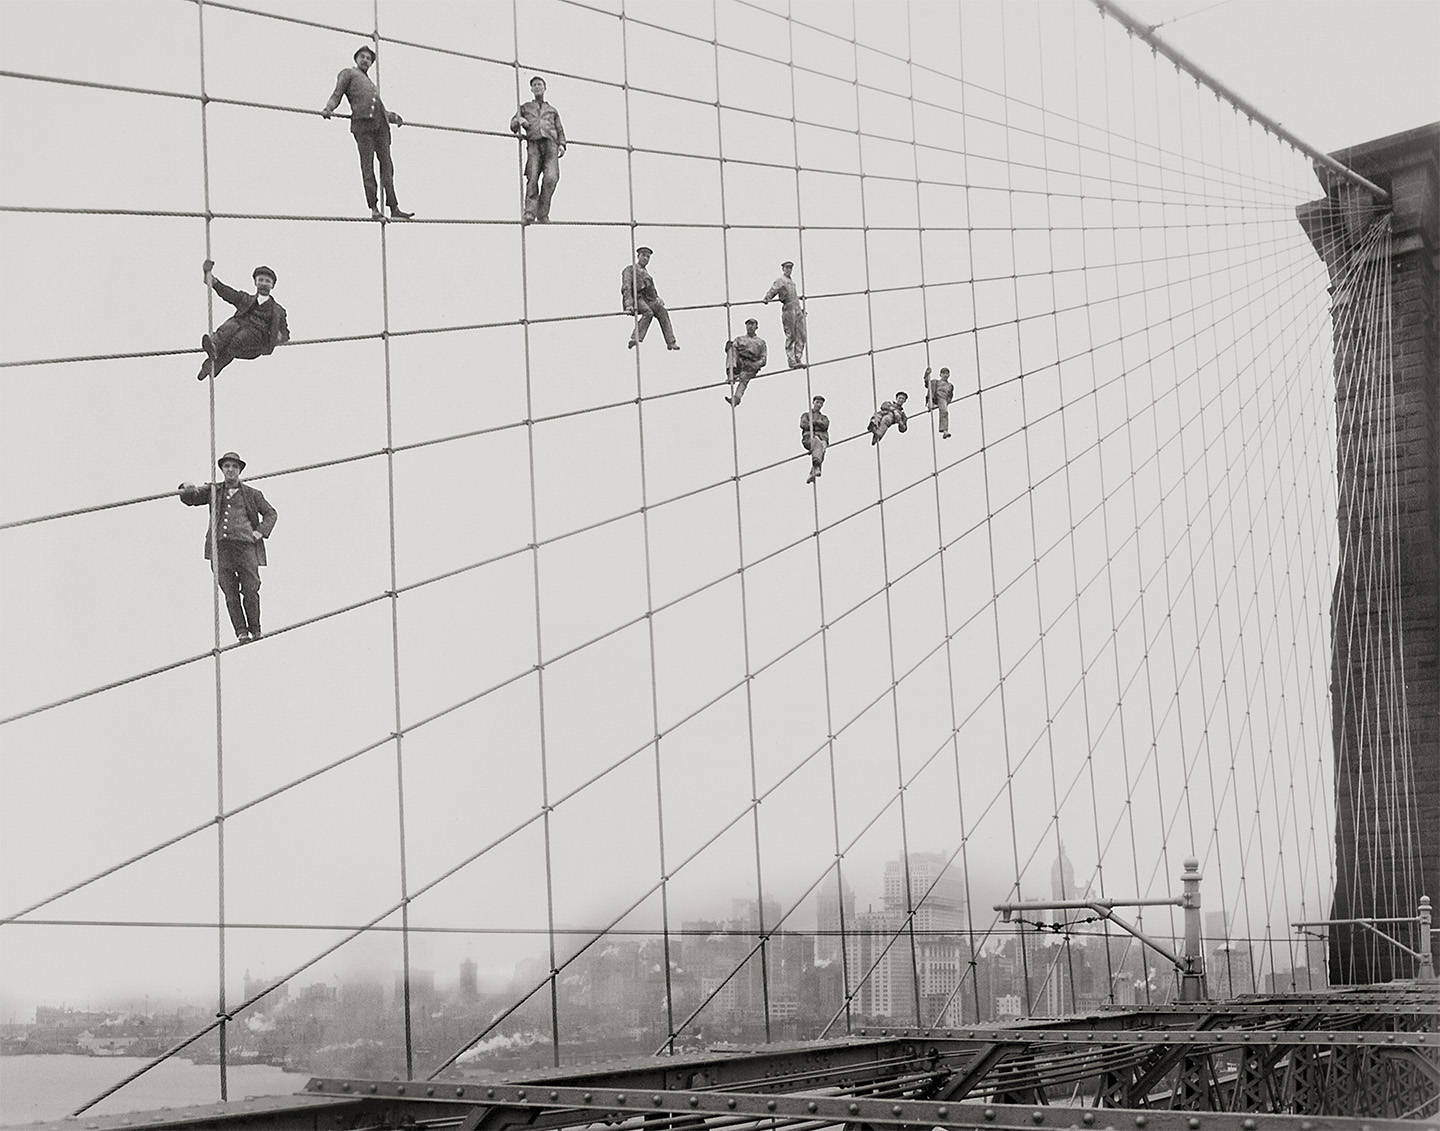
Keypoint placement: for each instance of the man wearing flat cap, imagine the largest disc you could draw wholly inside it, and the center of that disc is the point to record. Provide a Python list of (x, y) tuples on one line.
[(937, 396), (255, 329), (889, 412), (815, 435), (639, 299), (792, 314), (744, 357), (240, 521), (370, 125), (544, 146)]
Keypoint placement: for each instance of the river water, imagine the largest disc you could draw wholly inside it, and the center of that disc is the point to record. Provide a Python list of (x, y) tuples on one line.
[(50, 1087)]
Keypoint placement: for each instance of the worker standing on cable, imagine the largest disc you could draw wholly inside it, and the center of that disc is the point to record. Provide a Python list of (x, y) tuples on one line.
[(640, 300), (815, 436), (889, 412), (370, 125), (792, 314), (256, 328), (240, 521), (745, 356), (544, 146), (937, 396)]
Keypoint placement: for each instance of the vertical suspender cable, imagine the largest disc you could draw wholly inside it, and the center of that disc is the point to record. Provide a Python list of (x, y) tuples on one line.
[(394, 602), (554, 978), (848, 989), (884, 549)]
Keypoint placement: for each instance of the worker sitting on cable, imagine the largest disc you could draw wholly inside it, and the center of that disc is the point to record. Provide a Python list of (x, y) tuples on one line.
[(640, 300), (744, 357), (544, 146), (889, 412), (937, 396), (370, 125), (256, 328), (240, 521), (815, 436), (792, 314)]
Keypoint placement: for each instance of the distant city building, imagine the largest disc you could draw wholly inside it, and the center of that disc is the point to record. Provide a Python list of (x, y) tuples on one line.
[(834, 913), (469, 984)]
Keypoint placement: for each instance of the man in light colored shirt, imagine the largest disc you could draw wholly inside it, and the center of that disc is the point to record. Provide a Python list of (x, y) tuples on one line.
[(370, 126), (745, 356), (544, 146), (255, 329), (889, 412), (937, 396), (640, 300), (815, 436), (792, 314), (240, 521)]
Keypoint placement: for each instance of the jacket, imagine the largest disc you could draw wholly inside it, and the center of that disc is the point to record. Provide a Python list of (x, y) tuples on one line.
[(636, 285), (750, 353), (245, 303), (540, 121), (261, 514), (364, 96)]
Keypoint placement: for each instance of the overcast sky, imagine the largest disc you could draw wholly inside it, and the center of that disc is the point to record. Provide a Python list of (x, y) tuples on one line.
[(1139, 336)]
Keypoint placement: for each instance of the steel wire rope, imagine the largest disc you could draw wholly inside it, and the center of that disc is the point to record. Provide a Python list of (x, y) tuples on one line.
[(441, 713), (802, 296), (884, 537), (547, 807), (954, 741), (431, 885), (213, 549), (645, 528), (393, 595)]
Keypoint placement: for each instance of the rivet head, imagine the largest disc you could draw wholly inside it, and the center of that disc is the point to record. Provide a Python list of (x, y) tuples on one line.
[(520, 1095), (943, 1112), (429, 1091), (620, 1098), (694, 1101), (896, 1109), (812, 1107), (1248, 1124), (588, 1096), (1037, 1117), (554, 1095), (1088, 1118), (853, 1109), (344, 1087), (730, 1104), (489, 1093), (460, 1091), (1140, 1121), (399, 1089), (769, 1105), (374, 1088), (655, 1099), (1192, 1123), (990, 1113)]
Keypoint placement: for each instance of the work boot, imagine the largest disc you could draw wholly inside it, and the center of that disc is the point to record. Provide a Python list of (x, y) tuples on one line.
[(397, 214)]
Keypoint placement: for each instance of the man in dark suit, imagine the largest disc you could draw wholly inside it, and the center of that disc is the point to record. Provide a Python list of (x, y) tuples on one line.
[(240, 521), (256, 328), (370, 126)]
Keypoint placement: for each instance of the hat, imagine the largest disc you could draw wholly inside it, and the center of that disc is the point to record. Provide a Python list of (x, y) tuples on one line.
[(818, 397), (364, 47), (226, 458), (263, 270), (788, 263), (638, 250), (944, 369), (752, 322), (902, 395)]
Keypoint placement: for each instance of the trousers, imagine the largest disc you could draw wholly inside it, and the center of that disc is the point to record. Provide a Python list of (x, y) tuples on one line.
[(372, 139), (655, 311), (542, 158), (237, 573), (236, 338), (942, 407), (816, 448), (742, 381), (792, 319)]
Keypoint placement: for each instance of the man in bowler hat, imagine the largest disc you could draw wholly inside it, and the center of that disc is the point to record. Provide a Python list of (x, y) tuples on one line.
[(792, 314), (240, 521), (256, 328), (370, 125), (744, 357), (544, 146), (639, 298)]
